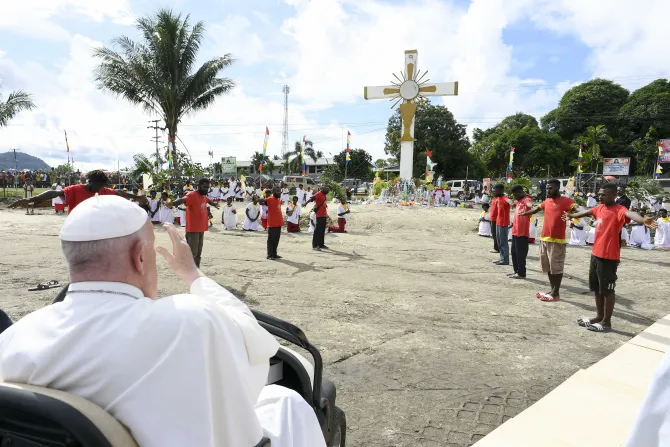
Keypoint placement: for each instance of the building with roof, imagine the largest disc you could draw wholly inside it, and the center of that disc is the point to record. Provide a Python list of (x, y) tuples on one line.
[(314, 168)]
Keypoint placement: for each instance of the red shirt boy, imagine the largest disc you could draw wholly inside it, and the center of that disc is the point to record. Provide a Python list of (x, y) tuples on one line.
[(320, 202), (521, 226), (76, 194), (196, 212), (609, 221), (502, 215), (275, 217), (553, 229)]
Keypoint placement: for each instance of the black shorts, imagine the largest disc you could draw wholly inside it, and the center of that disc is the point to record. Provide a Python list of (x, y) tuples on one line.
[(602, 275)]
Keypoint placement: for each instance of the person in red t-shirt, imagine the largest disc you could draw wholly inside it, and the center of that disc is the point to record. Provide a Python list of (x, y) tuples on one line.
[(275, 221), (321, 210), (76, 194), (502, 223), (494, 212), (552, 239), (197, 218), (520, 231), (605, 257)]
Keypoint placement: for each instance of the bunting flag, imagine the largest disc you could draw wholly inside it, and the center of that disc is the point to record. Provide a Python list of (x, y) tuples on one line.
[(511, 163), (579, 162), (67, 145), (302, 156), (348, 141), (265, 148), (211, 154), (428, 155), (659, 169)]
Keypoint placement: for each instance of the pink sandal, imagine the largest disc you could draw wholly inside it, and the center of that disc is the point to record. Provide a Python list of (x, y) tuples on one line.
[(547, 298)]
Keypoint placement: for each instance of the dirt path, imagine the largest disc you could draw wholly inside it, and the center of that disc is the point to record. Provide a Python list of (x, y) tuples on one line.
[(428, 342)]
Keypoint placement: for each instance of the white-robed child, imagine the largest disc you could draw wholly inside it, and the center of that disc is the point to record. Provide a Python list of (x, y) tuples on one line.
[(154, 204), (312, 222), (253, 213), (342, 211), (229, 216), (214, 193), (264, 211), (224, 191), (532, 233), (239, 193), (591, 200), (578, 231), (301, 195), (662, 237), (181, 213), (640, 235), (293, 216), (165, 213), (485, 221), (308, 194), (285, 195)]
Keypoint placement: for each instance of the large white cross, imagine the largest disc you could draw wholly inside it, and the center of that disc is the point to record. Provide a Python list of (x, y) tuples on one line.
[(407, 88)]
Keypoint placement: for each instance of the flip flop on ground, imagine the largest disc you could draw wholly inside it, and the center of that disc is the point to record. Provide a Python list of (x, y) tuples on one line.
[(597, 327), (45, 286), (547, 298), (584, 321)]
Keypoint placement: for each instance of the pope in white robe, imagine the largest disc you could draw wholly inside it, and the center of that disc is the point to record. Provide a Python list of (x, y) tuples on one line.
[(185, 370)]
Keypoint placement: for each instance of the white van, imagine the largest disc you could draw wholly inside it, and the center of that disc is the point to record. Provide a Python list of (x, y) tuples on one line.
[(458, 188), (293, 181)]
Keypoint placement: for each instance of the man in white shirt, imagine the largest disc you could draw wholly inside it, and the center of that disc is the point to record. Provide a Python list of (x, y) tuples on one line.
[(293, 216), (301, 195), (185, 370)]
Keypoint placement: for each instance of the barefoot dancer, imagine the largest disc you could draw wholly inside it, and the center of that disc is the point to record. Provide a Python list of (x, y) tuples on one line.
[(611, 217), (275, 222), (552, 240)]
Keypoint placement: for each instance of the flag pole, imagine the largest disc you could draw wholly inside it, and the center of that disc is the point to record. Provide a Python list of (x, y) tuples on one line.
[(347, 156)]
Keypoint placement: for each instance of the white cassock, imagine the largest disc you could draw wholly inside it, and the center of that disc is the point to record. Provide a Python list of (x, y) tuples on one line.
[(624, 236), (294, 218), (233, 187), (187, 370), (577, 236), (308, 195), (652, 427), (165, 214), (312, 222), (57, 200), (214, 194), (485, 198), (662, 237), (640, 235), (229, 218), (224, 193), (301, 196), (591, 202), (284, 195), (485, 226), (253, 211), (591, 236), (181, 214), (240, 194), (153, 207)]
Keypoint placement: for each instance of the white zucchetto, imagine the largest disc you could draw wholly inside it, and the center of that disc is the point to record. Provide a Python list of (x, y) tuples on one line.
[(103, 217)]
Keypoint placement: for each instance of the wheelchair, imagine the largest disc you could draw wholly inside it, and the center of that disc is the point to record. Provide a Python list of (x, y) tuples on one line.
[(32, 416)]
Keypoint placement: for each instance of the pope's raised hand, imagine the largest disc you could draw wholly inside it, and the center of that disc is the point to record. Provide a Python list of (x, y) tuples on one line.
[(180, 260)]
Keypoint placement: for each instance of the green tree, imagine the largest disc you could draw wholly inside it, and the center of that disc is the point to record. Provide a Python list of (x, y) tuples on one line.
[(159, 73), (295, 163), (647, 107), (593, 139), (144, 165), (380, 163), (269, 167), (333, 173), (645, 153), (360, 165), (594, 102), (435, 129), (16, 102)]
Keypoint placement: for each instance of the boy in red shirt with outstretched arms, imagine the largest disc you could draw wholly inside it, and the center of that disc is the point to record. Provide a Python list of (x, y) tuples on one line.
[(610, 218)]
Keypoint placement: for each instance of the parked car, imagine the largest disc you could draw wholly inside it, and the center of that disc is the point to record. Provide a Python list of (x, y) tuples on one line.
[(458, 188), (293, 181)]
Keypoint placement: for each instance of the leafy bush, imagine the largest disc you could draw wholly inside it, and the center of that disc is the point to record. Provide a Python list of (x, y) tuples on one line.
[(378, 187)]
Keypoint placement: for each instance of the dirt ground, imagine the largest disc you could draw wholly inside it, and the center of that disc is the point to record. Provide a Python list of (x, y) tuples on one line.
[(428, 342)]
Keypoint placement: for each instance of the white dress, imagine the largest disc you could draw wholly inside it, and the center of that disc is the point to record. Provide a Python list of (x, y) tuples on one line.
[(577, 236), (284, 196), (533, 228), (591, 202), (294, 218), (624, 236), (229, 217), (165, 214), (253, 211), (153, 208), (312, 222), (662, 237), (181, 214), (57, 200), (485, 226), (205, 346), (214, 194), (301, 196), (640, 235), (591, 236), (308, 195)]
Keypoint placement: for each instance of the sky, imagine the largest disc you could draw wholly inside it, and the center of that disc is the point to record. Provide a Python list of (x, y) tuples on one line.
[(507, 55)]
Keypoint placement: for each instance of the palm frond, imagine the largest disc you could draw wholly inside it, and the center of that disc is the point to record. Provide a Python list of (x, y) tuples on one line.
[(17, 101)]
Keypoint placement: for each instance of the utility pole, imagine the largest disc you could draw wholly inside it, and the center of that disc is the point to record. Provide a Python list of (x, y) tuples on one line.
[(16, 176), (284, 144), (156, 139)]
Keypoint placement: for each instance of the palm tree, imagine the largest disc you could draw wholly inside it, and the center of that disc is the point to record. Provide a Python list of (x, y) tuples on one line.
[(143, 165), (592, 140), (269, 167), (158, 73), (16, 102), (295, 164)]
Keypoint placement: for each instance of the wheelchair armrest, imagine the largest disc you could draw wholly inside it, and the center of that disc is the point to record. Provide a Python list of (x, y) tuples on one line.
[(265, 442), (295, 334)]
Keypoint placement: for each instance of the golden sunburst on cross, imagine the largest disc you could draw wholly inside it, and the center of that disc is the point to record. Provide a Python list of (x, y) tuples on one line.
[(406, 88)]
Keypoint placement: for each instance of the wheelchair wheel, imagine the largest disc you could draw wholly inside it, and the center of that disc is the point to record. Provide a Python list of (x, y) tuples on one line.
[(339, 433)]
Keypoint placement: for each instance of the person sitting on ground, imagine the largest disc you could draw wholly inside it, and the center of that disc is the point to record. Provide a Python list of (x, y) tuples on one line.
[(662, 236), (578, 231), (485, 221), (75, 194), (611, 217), (312, 222), (186, 370), (252, 215), (640, 236), (293, 216), (342, 211)]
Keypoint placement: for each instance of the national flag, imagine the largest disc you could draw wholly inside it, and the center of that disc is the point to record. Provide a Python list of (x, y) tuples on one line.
[(511, 163), (348, 141), (428, 155), (579, 162), (67, 145), (265, 148)]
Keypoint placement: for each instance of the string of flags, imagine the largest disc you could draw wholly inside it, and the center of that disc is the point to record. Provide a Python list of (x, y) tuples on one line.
[(509, 166), (265, 148), (348, 157), (428, 155), (579, 162), (659, 169)]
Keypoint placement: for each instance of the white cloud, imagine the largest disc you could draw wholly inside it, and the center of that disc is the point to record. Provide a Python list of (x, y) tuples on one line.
[(234, 35), (35, 18)]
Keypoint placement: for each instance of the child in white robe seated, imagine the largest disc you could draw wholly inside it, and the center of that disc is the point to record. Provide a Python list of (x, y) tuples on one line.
[(640, 236), (165, 214), (578, 232), (293, 216), (312, 222), (532, 234), (253, 213), (485, 221), (229, 216), (662, 237), (625, 237)]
